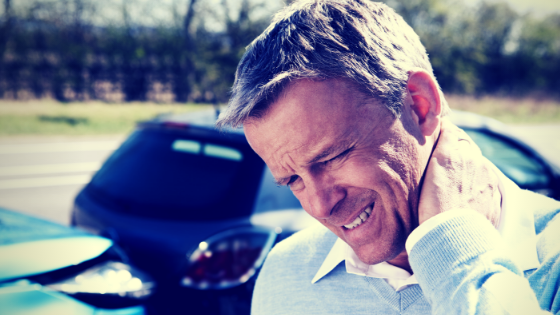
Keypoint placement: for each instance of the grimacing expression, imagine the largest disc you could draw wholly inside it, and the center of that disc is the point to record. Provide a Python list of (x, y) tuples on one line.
[(352, 165)]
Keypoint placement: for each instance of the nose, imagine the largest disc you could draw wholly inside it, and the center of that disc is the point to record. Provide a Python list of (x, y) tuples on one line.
[(322, 196)]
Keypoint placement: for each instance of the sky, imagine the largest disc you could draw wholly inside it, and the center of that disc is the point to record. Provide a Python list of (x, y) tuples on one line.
[(145, 12), (161, 12)]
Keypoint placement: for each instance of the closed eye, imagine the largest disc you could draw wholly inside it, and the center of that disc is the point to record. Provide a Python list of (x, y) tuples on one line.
[(292, 180), (341, 155), (282, 182), (295, 183)]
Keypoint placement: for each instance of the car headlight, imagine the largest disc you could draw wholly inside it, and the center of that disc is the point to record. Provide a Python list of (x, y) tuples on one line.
[(111, 277), (228, 258)]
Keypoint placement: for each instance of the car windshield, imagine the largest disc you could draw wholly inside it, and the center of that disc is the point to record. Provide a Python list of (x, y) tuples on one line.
[(165, 174), (516, 164)]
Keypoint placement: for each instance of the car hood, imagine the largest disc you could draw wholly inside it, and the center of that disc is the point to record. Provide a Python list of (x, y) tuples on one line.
[(31, 246)]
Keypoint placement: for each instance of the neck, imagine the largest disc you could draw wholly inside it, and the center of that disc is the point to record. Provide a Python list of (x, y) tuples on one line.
[(401, 261)]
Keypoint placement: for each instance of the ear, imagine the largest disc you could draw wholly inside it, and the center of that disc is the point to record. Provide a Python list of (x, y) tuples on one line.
[(426, 105)]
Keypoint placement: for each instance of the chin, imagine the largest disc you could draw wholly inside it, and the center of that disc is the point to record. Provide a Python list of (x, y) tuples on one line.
[(372, 254), (375, 256)]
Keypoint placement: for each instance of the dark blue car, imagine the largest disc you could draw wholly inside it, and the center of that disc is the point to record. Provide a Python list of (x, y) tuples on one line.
[(193, 206), (47, 268)]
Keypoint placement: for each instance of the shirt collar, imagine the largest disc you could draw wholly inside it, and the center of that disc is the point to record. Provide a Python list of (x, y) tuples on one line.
[(335, 257), (516, 227), (397, 277)]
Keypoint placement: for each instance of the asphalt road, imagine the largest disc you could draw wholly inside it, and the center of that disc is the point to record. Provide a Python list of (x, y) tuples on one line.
[(42, 175)]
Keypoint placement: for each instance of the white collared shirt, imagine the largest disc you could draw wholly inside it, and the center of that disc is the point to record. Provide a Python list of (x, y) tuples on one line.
[(396, 277), (516, 227)]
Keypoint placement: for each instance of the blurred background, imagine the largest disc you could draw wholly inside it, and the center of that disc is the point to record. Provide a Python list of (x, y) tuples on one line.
[(76, 75), (187, 50)]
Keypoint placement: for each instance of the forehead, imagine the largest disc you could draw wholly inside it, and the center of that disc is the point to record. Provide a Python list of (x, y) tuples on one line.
[(308, 117), (314, 102)]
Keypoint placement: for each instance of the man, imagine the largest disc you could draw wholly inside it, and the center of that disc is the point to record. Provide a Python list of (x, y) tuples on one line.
[(339, 99)]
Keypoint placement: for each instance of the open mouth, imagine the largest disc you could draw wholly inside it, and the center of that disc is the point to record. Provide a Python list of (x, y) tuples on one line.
[(360, 219)]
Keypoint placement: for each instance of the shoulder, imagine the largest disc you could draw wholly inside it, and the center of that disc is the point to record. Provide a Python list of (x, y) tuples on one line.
[(545, 279), (289, 269), (305, 251), (545, 216), (545, 210), (308, 244), (547, 227)]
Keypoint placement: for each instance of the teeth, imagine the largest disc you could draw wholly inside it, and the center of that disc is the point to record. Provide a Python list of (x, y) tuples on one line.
[(363, 216), (360, 219)]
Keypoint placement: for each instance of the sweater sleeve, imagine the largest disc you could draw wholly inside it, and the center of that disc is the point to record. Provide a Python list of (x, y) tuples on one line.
[(462, 268)]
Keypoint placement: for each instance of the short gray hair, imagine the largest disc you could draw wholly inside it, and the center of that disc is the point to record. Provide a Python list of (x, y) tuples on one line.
[(366, 42)]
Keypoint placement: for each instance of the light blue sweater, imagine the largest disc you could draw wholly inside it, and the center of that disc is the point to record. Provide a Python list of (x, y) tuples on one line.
[(460, 265)]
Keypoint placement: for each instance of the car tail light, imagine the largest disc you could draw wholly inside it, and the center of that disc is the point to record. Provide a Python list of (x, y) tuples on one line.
[(228, 258)]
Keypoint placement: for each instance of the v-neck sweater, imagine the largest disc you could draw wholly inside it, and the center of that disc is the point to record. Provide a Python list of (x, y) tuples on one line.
[(460, 267)]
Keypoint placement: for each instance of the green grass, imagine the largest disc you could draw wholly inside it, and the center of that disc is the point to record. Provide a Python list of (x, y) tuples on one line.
[(510, 110), (45, 117)]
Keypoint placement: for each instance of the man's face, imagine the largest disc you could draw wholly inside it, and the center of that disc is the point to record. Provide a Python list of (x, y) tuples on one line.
[(350, 162)]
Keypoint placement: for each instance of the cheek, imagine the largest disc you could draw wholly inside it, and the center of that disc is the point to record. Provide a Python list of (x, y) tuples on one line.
[(388, 173), (303, 198), (361, 171), (400, 160), (304, 202)]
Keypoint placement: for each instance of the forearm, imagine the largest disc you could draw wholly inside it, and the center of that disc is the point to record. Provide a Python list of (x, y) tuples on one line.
[(462, 268)]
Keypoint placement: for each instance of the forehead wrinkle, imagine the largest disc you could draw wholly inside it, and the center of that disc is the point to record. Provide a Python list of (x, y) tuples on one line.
[(288, 159), (284, 161), (302, 153)]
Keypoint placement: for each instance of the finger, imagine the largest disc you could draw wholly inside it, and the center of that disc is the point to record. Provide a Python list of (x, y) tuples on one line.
[(463, 142), (467, 145), (448, 137)]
